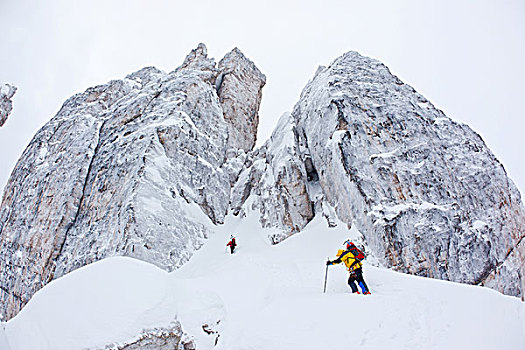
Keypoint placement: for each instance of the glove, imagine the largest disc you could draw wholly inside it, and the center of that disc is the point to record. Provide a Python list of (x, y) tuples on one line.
[(328, 263)]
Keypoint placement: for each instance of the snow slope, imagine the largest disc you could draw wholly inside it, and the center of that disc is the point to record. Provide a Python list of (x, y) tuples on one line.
[(265, 297)]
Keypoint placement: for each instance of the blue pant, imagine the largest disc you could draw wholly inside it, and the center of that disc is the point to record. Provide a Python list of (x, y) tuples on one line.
[(357, 275)]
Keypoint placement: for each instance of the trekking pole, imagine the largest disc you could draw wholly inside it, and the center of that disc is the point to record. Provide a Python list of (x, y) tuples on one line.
[(325, 275)]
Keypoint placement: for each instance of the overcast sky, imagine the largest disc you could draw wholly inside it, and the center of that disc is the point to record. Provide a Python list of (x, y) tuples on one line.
[(467, 57)]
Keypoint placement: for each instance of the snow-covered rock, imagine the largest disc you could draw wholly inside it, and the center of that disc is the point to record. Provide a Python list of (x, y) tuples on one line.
[(427, 193), (274, 183), (147, 165), (239, 87), (159, 338), (125, 168), (7, 91)]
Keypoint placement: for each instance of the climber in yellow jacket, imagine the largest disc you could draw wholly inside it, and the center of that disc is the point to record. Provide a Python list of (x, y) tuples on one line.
[(352, 257)]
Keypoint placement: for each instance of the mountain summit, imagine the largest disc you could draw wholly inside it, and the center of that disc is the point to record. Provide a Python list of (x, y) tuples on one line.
[(141, 166), (128, 168), (427, 193)]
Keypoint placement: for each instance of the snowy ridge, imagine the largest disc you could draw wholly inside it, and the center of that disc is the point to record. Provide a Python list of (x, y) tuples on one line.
[(264, 297)]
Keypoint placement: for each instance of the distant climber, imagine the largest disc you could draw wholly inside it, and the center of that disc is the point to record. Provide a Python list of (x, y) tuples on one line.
[(352, 257), (232, 244)]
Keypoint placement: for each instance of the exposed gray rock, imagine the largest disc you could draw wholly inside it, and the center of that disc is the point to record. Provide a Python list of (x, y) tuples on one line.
[(198, 63), (136, 166), (429, 196), (239, 87), (42, 197), (161, 338), (119, 171), (274, 183), (7, 91)]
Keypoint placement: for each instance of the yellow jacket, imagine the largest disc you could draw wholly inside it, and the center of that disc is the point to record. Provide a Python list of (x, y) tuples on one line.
[(349, 259)]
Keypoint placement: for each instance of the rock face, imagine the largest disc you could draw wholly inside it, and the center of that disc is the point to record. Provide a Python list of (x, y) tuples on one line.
[(120, 170), (7, 91), (239, 87), (274, 183), (429, 196), (143, 166)]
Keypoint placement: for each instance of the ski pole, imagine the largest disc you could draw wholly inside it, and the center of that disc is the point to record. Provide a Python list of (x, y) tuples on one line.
[(325, 275)]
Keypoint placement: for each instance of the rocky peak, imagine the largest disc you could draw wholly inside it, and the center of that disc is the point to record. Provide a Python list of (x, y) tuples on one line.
[(234, 62), (108, 175), (197, 62), (133, 167), (197, 56), (429, 196), (239, 87), (7, 91)]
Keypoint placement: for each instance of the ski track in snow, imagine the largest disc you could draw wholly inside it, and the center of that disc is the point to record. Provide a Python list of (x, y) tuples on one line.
[(265, 297)]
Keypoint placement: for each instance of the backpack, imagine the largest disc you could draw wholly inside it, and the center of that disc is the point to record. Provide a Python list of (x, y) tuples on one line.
[(358, 253)]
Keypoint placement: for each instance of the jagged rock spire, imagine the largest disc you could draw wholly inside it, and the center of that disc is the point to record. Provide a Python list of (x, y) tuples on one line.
[(239, 87), (197, 61)]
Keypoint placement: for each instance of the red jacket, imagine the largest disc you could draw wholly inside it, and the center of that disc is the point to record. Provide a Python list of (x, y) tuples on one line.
[(232, 243)]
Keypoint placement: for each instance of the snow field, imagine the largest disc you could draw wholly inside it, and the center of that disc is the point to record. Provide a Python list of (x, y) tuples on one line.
[(265, 297)]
